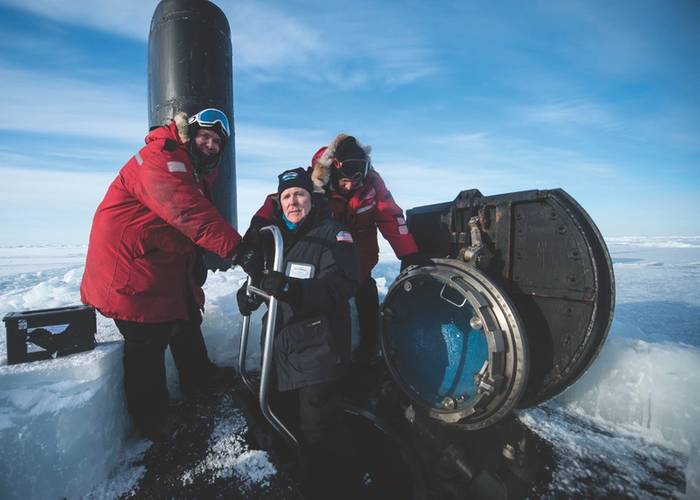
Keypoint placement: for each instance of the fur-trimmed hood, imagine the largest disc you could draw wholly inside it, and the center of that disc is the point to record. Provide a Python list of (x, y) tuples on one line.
[(183, 128), (174, 129), (323, 160)]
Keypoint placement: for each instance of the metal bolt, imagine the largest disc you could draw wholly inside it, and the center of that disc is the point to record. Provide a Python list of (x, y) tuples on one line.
[(476, 323), (410, 414), (448, 403), (407, 286)]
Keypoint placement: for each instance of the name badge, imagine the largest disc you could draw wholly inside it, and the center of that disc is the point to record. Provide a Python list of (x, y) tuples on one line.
[(300, 270)]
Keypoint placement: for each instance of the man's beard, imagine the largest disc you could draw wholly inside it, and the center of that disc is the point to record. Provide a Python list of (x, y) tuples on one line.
[(203, 162)]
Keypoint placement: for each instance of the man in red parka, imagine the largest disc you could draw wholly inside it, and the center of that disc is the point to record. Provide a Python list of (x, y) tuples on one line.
[(144, 267), (356, 196)]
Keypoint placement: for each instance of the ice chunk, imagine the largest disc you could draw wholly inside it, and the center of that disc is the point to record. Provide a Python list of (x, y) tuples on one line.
[(651, 389), (63, 424)]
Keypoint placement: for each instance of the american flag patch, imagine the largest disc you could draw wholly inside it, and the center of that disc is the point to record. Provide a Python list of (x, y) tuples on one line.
[(176, 166), (344, 236)]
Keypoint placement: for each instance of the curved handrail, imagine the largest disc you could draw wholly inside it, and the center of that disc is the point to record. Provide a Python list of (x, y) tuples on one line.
[(268, 345)]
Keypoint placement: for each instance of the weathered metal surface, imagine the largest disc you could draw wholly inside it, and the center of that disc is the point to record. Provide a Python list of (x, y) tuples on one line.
[(544, 251)]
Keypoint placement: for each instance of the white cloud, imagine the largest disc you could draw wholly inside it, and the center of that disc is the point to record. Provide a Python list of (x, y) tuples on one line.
[(43, 206), (42, 189), (278, 147), (491, 163), (404, 60), (423, 183), (265, 40), (569, 113), (270, 43), (475, 142), (71, 155), (54, 104), (251, 194), (129, 18), (522, 157)]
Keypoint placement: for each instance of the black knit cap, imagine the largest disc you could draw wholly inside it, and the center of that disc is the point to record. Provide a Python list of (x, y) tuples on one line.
[(296, 177), (348, 148)]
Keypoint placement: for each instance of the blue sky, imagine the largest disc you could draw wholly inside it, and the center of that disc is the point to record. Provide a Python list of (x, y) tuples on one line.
[(599, 98)]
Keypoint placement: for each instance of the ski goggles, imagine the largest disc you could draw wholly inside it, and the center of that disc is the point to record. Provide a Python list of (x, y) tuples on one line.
[(210, 117), (353, 169)]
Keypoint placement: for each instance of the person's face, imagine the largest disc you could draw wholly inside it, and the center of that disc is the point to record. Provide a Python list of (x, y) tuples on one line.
[(346, 185), (207, 142), (296, 204)]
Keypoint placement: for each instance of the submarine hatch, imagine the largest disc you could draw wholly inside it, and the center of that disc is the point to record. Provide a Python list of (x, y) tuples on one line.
[(515, 307)]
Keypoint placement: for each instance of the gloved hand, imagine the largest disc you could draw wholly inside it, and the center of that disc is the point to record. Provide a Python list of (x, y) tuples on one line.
[(247, 304), (282, 287), (415, 259), (250, 259)]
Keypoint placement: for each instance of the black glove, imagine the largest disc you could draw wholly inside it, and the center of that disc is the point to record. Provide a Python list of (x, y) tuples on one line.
[(247, 303), (415, 259), (282, 287), (250, 259)]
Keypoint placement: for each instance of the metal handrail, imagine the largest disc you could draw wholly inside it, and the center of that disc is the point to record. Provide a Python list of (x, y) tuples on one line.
[(243, 349), (268, 343)]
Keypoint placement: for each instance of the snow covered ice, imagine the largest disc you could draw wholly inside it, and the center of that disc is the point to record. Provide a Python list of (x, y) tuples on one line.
[(65, 430), (63, 422)]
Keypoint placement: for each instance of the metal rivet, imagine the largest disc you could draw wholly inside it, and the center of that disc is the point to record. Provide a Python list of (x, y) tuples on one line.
[(476, 323), (448, 403), (407, 286), (410, 414), (509, 451)]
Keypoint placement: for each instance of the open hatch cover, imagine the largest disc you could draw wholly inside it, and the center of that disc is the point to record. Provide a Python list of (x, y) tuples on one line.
[(520, 297)]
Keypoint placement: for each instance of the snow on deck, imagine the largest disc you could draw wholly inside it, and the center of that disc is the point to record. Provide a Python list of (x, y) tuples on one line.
[(65, 430)]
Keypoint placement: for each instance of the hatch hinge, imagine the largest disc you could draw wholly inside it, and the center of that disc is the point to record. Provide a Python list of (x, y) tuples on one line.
[(471, 253)]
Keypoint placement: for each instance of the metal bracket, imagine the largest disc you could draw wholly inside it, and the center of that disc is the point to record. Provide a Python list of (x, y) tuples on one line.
[(268, 344), (471, 253)]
